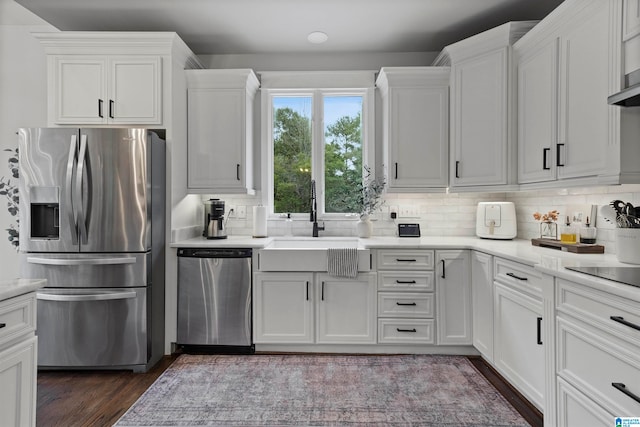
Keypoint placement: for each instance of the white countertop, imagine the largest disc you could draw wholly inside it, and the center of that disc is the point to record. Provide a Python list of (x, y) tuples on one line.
[(14, 287)]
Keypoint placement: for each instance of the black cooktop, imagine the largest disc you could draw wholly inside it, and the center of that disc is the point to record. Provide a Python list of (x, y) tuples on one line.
[(626, 275)]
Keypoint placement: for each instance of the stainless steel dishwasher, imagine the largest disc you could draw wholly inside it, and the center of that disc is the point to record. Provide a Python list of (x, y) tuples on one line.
[(214, 300)]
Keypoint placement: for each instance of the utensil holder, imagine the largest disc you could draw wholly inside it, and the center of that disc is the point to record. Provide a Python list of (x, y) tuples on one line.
[(628, 245)]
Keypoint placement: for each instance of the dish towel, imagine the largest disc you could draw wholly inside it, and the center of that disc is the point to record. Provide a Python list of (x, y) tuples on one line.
[(342, 262)]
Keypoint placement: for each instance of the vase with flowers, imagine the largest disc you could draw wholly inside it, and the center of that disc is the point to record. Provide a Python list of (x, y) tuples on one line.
[(548, 226), (370, 201)]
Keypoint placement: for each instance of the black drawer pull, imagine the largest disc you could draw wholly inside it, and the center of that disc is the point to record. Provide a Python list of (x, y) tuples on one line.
[(620, 319), (406, 330), (516, 277), (406, 303), (539, 330), (405, 260), (3, 325), (623, 388), (405, 282)]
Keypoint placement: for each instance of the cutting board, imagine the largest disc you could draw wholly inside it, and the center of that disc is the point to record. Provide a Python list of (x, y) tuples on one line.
[(578, 248)]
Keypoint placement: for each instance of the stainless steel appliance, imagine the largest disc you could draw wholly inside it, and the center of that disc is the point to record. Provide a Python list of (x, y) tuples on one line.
[(626, 275), (92, 221), (214, 224), (214, 300)]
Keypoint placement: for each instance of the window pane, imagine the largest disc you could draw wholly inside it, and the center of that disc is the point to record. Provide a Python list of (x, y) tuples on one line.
[(291, 153), (342, 153)]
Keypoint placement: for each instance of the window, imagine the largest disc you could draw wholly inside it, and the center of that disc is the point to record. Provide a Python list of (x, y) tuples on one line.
[(316, 135)]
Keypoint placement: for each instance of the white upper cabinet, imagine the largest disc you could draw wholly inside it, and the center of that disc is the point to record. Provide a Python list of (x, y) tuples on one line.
[(220, 129), (483, 153), (114, 78), (567, 66), (415, 104)]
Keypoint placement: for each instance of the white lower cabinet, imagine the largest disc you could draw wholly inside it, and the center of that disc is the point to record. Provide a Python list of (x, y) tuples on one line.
[(482, 303), (598, 336), (575, 409), (519, 354), (453, 293), (307, 308), (18, 360)]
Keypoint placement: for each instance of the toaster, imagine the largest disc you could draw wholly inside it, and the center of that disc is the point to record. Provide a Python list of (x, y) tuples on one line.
[(496, 220)]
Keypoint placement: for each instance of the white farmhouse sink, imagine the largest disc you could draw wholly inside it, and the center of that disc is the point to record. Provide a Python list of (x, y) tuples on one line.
[(313, 243), (307, 253)]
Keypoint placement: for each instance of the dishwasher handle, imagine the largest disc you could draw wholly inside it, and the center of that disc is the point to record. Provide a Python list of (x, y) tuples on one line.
[(215, 252)]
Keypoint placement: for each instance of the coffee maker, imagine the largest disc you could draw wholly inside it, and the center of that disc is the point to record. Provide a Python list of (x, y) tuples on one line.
[(214, 225)]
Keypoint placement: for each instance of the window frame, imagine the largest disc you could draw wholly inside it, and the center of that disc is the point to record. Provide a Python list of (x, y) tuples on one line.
[(317, 141)]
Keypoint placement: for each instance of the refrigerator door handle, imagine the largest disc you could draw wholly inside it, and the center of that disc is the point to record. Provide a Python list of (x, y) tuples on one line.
[(82, 223), (99, 296), (71, 161), (81, 261)]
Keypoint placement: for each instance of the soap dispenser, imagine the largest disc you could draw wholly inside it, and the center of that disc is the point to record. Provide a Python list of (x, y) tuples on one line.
[(288, 226), (568, 232)]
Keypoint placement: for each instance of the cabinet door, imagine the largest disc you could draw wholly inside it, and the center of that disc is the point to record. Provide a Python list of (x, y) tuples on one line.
[(135, 89), (419, 137), (537, 114), (18, 379), (584, 87), (518, 342), (479, 122), (575, 409), (631, 19), (79, 90), (482, 303), (453, 294), (283, 308), (216, 123), (346, 311)]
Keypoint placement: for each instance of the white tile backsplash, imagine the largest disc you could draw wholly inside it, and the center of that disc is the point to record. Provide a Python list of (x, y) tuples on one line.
[(442, 214)]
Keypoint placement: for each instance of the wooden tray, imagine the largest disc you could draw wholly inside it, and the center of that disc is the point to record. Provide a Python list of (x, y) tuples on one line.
[(578, 248)]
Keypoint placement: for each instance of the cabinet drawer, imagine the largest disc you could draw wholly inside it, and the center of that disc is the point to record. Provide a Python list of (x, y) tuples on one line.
[(519, 275), (415, 281), (405, 304), (597, 308), (575, 409), (592, 363), (415, 259), (17, 317), (406, 331)]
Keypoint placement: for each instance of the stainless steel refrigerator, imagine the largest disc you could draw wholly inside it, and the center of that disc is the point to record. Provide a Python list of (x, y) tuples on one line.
[(92, 222)]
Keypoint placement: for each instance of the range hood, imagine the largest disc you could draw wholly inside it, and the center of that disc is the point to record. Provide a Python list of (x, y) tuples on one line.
[(629, 97)]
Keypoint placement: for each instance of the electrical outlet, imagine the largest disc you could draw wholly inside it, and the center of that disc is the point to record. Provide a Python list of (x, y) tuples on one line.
[(408, 212), (241, 212)]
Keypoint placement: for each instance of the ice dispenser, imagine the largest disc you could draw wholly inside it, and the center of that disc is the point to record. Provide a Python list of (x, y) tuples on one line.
[(45, 212)]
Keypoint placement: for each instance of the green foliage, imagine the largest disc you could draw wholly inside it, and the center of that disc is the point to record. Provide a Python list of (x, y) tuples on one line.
[(10, 191)]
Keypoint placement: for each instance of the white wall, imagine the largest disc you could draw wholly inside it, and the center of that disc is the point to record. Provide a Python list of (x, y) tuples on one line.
[(23, 99)]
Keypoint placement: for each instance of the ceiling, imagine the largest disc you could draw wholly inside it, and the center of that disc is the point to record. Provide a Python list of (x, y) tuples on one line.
[(282, 26)]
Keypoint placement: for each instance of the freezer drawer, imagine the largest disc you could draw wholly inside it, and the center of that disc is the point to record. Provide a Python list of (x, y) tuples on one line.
[(92, 327), (88, 270)]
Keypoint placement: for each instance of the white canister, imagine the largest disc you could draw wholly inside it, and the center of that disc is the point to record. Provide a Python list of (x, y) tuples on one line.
[(628, 245)]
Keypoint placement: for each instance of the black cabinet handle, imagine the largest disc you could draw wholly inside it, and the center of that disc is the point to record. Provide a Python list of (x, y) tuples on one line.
[(405, 282), (238, 171), (516, 277), (406, 330), (3, 325), (307, 290), (457, 168), (558, 154), (623, 388), (544, 158), (396, 175), (405, 260), (539, 330), (620, 319), (100, 109), (443, 266), (111, 105), (322, 292), (406, 303)]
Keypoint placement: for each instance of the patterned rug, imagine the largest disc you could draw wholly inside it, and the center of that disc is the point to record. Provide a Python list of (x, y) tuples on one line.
[(315, 390)]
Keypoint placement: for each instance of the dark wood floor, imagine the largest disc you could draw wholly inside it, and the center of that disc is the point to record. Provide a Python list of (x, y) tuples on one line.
[(100, 398)]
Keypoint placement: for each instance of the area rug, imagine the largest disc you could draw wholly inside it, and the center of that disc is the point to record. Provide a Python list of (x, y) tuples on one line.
[(318, 390)]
